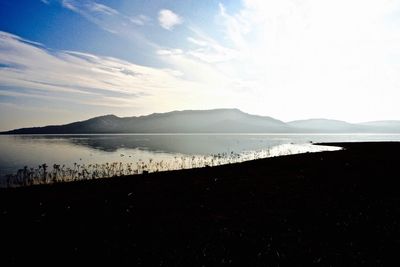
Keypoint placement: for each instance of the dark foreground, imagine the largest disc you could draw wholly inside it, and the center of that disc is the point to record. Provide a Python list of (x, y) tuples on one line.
[(331, 209)]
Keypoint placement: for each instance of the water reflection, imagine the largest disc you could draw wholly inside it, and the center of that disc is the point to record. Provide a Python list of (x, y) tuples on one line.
[(189, 143), (68, 150), (171, 143), (44, 174)]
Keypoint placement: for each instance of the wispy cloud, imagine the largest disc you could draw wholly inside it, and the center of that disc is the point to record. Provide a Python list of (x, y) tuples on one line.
[(80, 77), (169, 52), (96, 7), (99, 14), (208, 49), (112, 20), (70, 4), (168, 19), (140, 20), (47, 2)]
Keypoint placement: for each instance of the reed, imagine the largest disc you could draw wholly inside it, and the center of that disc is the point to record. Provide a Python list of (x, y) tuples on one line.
[(43, 174)]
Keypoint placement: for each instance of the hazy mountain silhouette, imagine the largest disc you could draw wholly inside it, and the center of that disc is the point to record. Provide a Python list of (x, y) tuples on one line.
[(208, 121), (190, 121), (336, 126), (388, 126), (327, 126)]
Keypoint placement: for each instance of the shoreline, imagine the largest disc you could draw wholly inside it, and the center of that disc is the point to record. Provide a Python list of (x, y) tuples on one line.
[(62, 173), (326, 208)]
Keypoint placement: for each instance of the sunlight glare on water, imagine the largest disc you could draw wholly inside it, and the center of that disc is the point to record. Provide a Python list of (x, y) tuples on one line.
[(157, 152)]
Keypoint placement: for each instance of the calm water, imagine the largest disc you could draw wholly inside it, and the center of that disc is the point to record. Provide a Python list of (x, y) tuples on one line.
[(33, 150)]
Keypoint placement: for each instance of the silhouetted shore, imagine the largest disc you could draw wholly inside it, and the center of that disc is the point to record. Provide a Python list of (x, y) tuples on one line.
[(336, 208)]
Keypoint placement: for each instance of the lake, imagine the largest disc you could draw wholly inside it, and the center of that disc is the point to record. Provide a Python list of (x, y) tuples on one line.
[(158, 152)]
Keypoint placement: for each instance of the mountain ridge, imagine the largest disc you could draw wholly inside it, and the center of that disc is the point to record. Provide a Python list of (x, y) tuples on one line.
[(208, 121)]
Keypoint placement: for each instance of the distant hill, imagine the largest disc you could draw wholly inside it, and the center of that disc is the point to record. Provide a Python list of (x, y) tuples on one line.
[(327, 126), (208, 121), (190, 121), (336, 126), (384, 126)]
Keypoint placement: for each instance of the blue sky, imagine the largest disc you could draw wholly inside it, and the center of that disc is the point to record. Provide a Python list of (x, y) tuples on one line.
[(67, 60)]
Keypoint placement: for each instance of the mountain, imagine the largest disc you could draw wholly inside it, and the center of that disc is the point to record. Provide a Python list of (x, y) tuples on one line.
[(208, 121), (190, 121), (327, 126), (336, 126), (383, 126)]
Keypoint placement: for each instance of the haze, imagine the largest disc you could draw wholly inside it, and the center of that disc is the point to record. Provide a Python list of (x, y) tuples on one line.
[(67, 60)]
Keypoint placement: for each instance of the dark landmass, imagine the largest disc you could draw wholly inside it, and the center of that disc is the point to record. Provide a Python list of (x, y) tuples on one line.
[(338, 208), (189, 121), (208, 121)]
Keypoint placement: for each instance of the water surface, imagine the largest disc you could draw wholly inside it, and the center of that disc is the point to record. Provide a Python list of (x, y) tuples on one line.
[(18, 151)]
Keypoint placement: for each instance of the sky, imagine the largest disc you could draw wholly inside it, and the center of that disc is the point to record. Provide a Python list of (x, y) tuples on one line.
[(69, 60)]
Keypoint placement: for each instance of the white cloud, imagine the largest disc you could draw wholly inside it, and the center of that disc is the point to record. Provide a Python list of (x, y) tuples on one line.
[(69, 4), (87, 6), (140, 20), (111, 20), (84, 78), (96, 7), (168, 19), (47, 2), (97, 13), (169, 52), (209, 50)]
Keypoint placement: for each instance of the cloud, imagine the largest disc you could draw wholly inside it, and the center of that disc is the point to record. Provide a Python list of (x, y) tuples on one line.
[(47, 2), (208, 49), (70, 4), (96, 13), (140, 20), (96, 7), (169, 52), (82, 78), (112, 20), (84, 6), (168, 19)]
